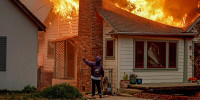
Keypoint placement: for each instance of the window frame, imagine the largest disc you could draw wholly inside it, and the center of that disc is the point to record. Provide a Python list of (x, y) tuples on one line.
[(5, 57), (109, 57), (145, 55), (51, 49)]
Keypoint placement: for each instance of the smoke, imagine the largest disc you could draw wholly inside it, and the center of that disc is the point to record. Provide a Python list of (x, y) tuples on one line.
[(175, 8)]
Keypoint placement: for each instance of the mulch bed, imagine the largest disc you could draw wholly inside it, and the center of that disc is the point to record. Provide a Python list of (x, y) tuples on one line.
[(164, 97)]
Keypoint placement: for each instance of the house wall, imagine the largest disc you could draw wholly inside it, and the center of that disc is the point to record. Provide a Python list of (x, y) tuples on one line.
[(126, 62), (56, 28), (21, 61), (109, 63)]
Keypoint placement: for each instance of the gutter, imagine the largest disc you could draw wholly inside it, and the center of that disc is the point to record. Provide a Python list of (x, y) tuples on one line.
[(184, 35)]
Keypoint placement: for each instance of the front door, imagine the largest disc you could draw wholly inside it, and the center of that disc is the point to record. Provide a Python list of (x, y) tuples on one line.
[(69, 61), (197, 60)]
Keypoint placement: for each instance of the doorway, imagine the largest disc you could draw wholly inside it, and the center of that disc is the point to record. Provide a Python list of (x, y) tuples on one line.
[(69, 60), (64, 60), (197, 60)]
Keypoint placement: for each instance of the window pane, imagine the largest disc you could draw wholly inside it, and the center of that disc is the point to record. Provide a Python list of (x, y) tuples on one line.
[(139, 54), (172, 55), (51, 49), (156, 55), (109, 48)]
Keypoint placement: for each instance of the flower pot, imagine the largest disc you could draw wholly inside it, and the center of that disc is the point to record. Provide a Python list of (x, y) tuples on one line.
[(124, 83), (133, 80), (139, 81)]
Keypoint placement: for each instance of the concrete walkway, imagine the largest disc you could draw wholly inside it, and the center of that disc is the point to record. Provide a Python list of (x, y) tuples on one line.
[(121, 98)]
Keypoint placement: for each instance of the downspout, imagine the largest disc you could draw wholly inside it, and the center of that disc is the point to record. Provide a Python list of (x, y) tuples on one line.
[(117, 64), (185, 60)]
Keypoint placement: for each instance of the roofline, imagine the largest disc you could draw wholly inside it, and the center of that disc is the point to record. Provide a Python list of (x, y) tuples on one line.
[(194, 24), (27, 12), (184, 35), (107, 20)]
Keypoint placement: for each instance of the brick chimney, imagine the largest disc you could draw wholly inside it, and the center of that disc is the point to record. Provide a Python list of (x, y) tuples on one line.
[(90, 38)]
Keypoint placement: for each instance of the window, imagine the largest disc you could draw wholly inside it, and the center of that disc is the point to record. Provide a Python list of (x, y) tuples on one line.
[(110, 49), (172, 55), (139, 54), (3, 41), (51, 49), (155, 55)]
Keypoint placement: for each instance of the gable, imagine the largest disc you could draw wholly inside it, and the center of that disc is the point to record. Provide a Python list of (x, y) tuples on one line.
[(196, 28), (33, 18)]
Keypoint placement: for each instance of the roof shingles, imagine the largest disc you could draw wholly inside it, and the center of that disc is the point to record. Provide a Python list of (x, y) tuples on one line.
[(134, 23)]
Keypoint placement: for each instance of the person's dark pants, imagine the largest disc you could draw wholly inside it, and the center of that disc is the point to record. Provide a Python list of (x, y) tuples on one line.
[(97, 82)]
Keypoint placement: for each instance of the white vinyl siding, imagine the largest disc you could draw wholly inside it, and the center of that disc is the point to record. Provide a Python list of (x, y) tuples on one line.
[(126, 63), (108, 63)]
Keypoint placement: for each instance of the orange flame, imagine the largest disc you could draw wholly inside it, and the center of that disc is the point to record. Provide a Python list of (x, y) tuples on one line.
[(184, 19), (153, 10), (66, 8), (199, 4)]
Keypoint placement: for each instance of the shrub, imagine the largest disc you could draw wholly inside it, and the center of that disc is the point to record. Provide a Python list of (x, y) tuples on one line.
[(29, 89), (63, 91)]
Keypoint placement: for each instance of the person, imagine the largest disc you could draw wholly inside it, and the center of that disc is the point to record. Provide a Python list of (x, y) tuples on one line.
[(97, 73)]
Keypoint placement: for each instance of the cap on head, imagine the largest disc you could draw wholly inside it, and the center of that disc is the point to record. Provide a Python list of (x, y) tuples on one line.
[(98, 58)]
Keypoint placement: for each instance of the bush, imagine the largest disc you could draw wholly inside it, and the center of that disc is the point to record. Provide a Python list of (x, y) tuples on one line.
[(61, 91), (29, 89)]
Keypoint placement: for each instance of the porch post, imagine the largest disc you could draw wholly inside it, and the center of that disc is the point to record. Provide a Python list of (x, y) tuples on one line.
[(185, 60)]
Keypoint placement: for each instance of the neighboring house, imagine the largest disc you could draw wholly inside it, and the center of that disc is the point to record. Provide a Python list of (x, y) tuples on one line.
[(18, 45)]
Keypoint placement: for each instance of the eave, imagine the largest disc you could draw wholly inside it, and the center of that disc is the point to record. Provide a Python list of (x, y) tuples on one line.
[(178, 35)]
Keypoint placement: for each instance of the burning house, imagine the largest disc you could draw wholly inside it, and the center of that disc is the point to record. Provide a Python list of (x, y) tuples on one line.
[(157, 51), (151, 43)]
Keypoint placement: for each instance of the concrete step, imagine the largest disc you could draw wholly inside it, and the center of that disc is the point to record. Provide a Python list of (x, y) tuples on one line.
[(124, 94), (130, 91)]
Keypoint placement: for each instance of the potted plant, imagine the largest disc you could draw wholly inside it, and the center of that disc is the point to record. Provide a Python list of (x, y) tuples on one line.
[(124, 83), (133, 78)]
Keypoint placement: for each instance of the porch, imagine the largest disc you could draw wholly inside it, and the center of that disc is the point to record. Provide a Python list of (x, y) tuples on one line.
[(165, 86), (162, 90)]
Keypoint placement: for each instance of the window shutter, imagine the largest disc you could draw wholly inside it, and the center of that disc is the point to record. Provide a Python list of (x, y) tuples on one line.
[(3, 41)]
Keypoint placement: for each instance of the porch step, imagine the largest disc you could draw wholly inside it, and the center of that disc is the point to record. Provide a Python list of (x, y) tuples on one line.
[(165, 86), (130, 91), (124, 94)]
